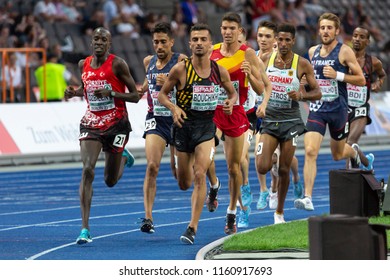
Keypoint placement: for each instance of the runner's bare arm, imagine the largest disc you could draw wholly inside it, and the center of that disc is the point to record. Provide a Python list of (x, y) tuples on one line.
[(70, 91), (176, 77), (314, 92), (122, 71), (251, 67), (347, 57), (378, 69), (144, 88), (267, 84)]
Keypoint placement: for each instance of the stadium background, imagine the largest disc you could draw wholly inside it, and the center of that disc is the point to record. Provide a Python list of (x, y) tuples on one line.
[(76, 45)]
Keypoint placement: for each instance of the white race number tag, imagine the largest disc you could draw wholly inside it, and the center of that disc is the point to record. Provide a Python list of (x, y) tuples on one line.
[(361, 112), (150, 124), (259, 149), (119, 140)]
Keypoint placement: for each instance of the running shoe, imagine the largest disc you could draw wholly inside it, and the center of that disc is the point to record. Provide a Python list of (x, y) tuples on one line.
[(84, 237), (304, 204), (273, 200), (370, 157), (130, 158), (355, 162), (147, 226), (298, 190), (246, 195), (243, 218), (279, 219), (262, 203), (212, 198), (230, 227), (188, 237)]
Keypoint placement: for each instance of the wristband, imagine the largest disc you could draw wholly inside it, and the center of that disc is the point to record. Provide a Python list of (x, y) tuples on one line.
[(340, 76), (112, 93)]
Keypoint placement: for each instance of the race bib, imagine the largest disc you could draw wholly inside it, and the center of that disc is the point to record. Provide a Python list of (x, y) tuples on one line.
[(357, 95), (158, 109), (329, 89), (223, 94), (99, 103), (279, 97), (205, 97)]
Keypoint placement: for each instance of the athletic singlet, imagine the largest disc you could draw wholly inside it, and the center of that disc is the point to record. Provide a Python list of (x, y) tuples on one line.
[(102, 112), (280, 106), (151, 74), (358, 96), (334, 93), (237, 76), (253, 99), (259, 98), (199, 97)]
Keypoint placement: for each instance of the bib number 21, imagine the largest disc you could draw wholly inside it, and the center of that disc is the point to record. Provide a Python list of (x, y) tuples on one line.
[(119, 140)]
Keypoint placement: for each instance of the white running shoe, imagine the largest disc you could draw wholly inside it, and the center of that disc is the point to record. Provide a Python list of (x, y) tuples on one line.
[(279, 219), (355, 162), (273, 200), (304, 204)]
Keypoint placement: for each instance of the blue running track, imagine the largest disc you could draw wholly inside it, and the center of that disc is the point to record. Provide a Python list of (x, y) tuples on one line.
[(40, 214)]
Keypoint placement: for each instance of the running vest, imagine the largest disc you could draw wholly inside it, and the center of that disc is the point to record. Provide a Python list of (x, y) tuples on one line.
[(358, 96), (334, 93), (105, 111), (237, 76), (199, 97), (253, 99), (280, 106), (151, 74)]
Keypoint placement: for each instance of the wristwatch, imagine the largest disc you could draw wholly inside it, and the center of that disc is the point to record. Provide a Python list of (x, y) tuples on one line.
[(112, 93)]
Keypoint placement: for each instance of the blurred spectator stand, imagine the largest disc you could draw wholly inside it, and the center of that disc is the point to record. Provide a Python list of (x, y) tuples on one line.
[(27, 74)]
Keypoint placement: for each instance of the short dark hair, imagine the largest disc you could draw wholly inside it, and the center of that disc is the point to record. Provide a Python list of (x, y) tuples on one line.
[(163, 27), (201, 26), (102, 29), (286, 27), (232, 17), (269, 25), (364, 28)]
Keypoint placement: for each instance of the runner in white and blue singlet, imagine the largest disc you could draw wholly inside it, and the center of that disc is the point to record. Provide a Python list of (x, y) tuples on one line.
[(159, 120), (334, 65)]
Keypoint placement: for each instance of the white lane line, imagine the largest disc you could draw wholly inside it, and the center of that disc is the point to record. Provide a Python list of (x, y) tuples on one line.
[(113, 234), (158, 226), (92, 218)]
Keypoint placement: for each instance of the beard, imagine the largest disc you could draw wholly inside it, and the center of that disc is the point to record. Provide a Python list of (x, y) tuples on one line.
[(328, 40), (162, 55)]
